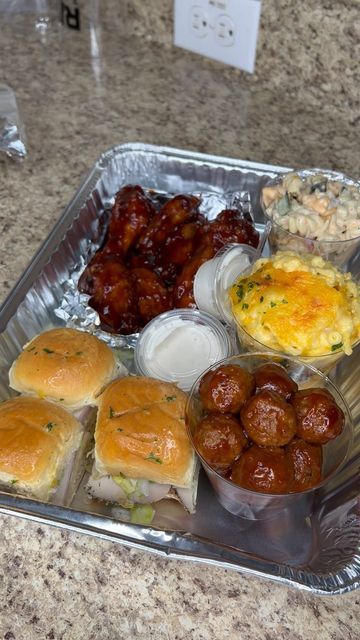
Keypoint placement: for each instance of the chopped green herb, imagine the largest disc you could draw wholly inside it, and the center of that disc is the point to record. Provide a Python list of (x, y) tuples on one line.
[(261, 298), (119, 429), (284, 301), (61, 399), (240, 291), (153, 458), (50, 425), (337, 346), (272, 304), (31, 349), (111, 412), (170, 398), (79, 353), (268, 276), (245, 306), (251, 284), (14, 481), (48, 350)]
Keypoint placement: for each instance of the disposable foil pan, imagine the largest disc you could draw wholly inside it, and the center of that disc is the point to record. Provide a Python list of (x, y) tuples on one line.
[(319, 553)]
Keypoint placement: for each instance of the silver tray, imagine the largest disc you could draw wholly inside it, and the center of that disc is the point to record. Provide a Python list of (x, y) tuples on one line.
[(320, 554)]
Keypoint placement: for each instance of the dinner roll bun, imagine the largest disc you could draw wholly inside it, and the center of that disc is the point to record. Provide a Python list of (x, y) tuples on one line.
[(141, 433), (37, 439), (64, 365)]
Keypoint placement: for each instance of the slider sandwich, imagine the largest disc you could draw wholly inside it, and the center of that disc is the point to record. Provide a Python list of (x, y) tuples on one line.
[(142, 451), (38, 442), (64, 365)]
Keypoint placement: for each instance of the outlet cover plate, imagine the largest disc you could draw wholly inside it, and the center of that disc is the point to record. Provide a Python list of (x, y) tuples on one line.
[(224, 30)]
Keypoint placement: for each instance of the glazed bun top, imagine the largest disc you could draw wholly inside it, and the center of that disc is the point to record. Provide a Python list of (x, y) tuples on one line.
[(36, 439), (141, 433), (64, 365)]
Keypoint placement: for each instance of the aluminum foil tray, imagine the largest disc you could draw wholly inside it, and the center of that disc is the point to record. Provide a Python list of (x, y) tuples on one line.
[(320, 554)]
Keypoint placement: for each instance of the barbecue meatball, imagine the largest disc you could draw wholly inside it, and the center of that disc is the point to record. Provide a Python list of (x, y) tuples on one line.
[(319, 418), (306, 460), (266, 470), (226, 389), (268, 420), (273, 377), (220, 439)]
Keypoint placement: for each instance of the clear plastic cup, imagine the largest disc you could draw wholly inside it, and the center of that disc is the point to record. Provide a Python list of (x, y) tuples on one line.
[(324, 362), (254, 505), (178, 345), (339, 252)]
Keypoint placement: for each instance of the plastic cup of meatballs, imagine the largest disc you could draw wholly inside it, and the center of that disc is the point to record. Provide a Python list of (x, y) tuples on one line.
[(269, 432), (320, 216)]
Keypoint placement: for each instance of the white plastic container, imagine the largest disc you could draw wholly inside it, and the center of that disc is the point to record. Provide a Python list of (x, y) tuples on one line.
[(214, 277), (177, 346)]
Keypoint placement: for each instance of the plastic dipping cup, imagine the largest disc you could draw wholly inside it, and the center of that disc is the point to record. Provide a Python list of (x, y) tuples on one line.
[(214, 277), (177, 346)]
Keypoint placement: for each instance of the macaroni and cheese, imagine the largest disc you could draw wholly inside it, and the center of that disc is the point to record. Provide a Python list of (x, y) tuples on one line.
[(298, 304)]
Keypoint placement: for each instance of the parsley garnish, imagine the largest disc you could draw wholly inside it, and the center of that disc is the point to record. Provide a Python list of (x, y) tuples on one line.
[(47, 350), (61, 399), (337, 346), (245, 306), (119, 429), (32, 349), (261, 298), (153, 458), (111, 412), (14, 481), (170, 398), (268, 276), (50, 425), (240, 291), (79, 353), (272, 304)]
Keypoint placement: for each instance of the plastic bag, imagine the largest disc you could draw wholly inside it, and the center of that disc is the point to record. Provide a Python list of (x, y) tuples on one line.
[(12, 134)]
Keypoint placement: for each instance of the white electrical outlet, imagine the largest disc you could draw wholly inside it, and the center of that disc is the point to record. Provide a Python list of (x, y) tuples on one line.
[(225, 30)]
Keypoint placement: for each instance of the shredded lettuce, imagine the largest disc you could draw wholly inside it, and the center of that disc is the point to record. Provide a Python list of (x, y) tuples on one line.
[(127, 484), (142, 514)]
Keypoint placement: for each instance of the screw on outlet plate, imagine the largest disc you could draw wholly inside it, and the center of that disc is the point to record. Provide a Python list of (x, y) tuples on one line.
[(198, 22)]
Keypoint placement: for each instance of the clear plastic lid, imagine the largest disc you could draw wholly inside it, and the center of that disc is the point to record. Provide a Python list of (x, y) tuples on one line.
[(214, 277), (177, 346)]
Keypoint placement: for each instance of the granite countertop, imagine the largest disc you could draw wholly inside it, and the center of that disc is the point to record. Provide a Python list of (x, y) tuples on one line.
[(56, 583)]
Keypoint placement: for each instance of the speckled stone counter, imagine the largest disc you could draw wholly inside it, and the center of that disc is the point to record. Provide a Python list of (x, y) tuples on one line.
[(54, 583)]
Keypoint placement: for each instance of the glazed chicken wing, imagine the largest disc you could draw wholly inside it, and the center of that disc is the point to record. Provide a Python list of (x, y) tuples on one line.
[(130, 216), (230, 226), (183, 293), (107, 280), (176, 250), (176, 211), (152, 296)]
